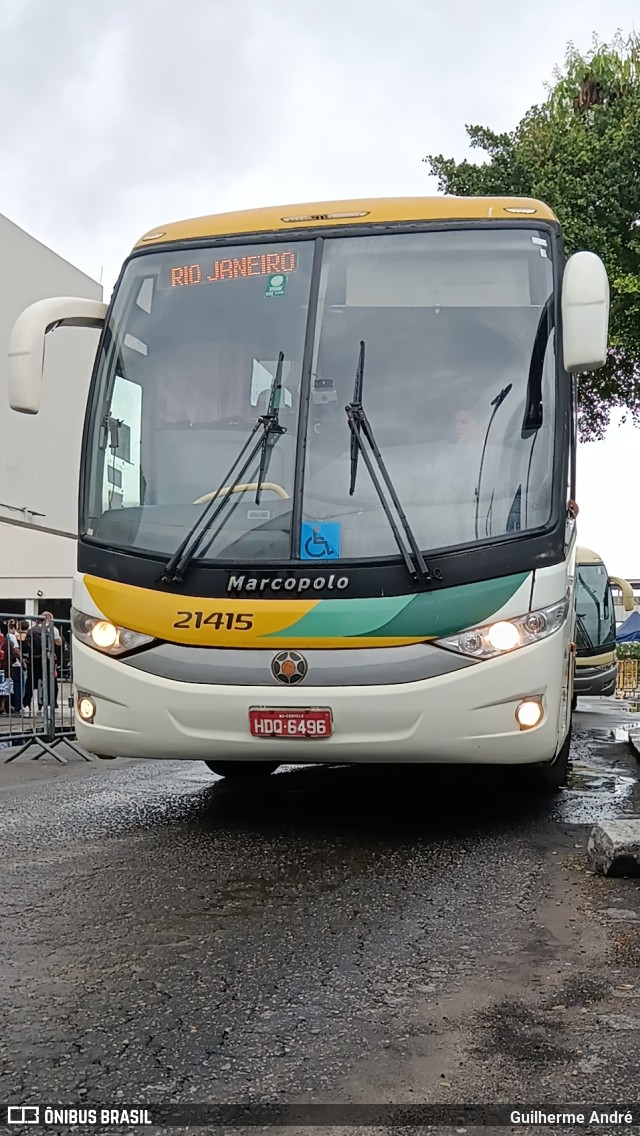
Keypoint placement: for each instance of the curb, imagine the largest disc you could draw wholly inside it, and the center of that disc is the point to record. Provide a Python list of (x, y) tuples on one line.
[(613, 848)]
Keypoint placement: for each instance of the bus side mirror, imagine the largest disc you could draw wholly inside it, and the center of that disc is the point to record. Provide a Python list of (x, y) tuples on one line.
[(26, 343), (626, 590), (585, 313)]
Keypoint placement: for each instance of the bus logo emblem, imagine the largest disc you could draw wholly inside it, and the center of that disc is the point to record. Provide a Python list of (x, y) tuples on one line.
[(289, 667)]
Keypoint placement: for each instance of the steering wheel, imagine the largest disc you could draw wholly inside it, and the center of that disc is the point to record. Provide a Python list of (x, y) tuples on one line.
[(244, 489)]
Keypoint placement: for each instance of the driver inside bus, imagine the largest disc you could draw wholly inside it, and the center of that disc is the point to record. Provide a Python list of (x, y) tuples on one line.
[(466, 426)]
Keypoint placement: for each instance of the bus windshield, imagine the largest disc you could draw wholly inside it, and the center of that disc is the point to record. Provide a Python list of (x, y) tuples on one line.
[(450, 319), (595, 611)]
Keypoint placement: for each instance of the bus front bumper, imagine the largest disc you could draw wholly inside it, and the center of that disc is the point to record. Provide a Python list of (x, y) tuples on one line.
[(596, 680), (463, 717)]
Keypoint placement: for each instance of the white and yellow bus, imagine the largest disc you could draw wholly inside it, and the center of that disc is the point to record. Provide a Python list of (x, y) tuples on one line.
[(596, 666), (326, 504)]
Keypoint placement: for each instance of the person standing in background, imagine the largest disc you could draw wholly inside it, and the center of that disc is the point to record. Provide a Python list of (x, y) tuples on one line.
[(4, 648), (57, 646), (25, 658), (15, 668), (32, 650)]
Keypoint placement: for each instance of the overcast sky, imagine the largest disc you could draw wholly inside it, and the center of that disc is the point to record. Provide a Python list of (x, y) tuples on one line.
[(119, 115)]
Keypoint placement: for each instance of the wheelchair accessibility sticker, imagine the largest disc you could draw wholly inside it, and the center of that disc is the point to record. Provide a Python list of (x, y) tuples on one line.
[(320, 540)]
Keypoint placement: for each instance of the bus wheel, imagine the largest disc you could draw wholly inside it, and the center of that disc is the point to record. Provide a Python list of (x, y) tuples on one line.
[(554, 776), (242, 770)]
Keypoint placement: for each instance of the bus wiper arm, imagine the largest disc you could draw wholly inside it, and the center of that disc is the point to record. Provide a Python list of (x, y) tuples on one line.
[(175, 568), (273, 428), (533, 415), (361, 429), (582, 627), (496, 403), (267, 443)]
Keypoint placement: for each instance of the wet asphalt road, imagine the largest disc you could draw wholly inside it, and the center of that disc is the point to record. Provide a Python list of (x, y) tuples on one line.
[(333, 935)]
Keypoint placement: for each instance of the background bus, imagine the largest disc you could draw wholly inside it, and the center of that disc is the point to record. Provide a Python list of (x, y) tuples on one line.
[(596, 667)]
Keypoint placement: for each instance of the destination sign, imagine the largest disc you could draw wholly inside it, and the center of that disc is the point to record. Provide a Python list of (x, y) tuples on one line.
[(233, 268)]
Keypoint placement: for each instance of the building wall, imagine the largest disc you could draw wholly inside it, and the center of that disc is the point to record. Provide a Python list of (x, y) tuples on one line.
[(39, 455), (35, 564)]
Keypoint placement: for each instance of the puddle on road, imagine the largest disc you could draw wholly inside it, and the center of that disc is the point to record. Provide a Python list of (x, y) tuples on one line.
[(616, 734), (595, 793), (601, 778), (603, 784)]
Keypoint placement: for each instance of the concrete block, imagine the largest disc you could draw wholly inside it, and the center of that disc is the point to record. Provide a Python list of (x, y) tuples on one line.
[(613, 848)]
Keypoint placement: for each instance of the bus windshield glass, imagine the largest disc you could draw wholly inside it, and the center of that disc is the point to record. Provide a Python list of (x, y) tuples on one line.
[(595, 611), (452, 320)]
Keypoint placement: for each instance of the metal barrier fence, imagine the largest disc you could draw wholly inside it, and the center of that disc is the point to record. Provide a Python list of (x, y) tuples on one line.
[(36, 686), (628, 682)]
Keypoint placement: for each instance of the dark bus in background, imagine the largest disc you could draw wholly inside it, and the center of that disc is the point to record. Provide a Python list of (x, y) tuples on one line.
[(596, 667)]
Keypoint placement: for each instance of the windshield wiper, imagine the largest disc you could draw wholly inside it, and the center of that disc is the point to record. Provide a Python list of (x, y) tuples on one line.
[(533, 415), (360, 426), (268, 441), (496, 403), (273, 428), (175, 567), (582, 627)]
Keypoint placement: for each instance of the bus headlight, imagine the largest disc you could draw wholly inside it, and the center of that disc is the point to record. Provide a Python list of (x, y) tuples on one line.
[(505, 635), (104, 636)]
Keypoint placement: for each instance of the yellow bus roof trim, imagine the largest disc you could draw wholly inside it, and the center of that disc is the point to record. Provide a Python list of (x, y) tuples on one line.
[(374, 211)]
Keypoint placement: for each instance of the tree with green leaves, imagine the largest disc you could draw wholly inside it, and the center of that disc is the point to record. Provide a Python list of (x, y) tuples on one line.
[(579, 152)]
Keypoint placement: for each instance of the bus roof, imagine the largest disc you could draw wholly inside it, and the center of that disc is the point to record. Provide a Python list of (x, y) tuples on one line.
[(587, 556), (369, 211)]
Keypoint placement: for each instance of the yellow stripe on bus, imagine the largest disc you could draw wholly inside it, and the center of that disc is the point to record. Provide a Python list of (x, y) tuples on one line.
[(219, 622), (194, 620)]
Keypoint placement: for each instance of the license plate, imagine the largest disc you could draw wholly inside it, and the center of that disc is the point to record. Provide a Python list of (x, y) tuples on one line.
[(272, 722)]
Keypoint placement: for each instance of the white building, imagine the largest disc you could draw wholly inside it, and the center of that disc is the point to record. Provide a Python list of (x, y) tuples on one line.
[(39, 455)]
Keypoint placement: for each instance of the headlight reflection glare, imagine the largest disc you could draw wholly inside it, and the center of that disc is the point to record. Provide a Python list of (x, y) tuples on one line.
[(104, 635), (503, 636)]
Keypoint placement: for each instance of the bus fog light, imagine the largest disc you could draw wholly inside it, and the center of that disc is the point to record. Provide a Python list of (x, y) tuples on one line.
[(86, 708), (528, 714), (503, 636)]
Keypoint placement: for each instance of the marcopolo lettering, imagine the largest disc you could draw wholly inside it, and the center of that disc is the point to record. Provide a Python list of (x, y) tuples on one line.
[(297, 584)]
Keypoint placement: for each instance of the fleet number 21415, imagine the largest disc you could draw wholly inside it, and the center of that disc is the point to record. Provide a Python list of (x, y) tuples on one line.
[(227, 620)]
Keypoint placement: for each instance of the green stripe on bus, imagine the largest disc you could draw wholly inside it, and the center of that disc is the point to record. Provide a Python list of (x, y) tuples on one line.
[(429, 614)]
